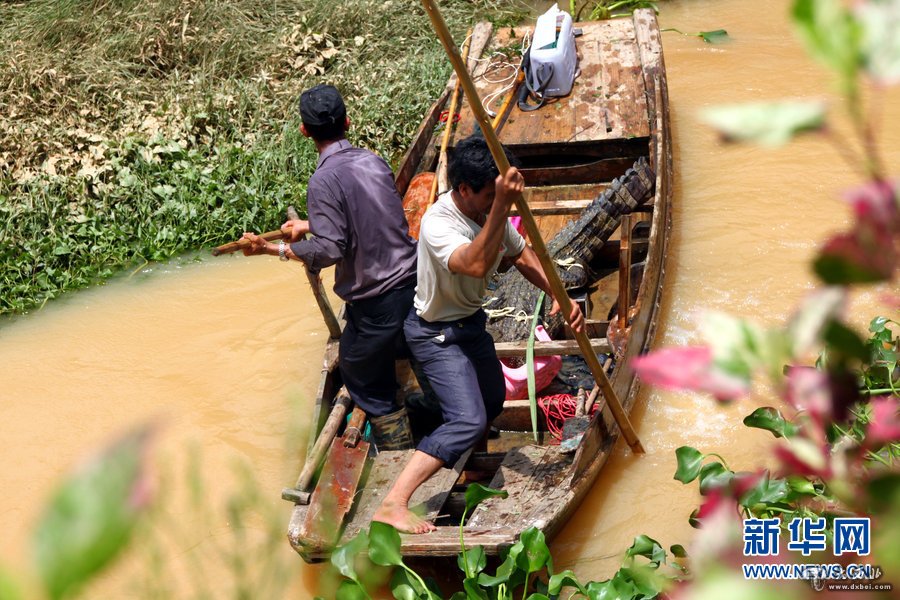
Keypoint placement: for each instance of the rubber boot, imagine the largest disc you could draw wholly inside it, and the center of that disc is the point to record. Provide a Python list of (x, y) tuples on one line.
[(392, 432)]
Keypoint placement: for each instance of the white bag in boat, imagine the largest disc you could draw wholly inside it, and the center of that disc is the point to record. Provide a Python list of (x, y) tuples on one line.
[(553, 58)]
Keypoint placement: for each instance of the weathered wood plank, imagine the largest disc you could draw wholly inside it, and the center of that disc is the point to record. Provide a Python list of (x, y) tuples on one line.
[(429, 498), (333, 496), (385, 468), (421, 141), (514, 474), (590, 113), (537, 194), (583, 115), (623, 85), (445, 542), (556, 207), (330, 360), (551, 348), (604, 169), (535, 477)]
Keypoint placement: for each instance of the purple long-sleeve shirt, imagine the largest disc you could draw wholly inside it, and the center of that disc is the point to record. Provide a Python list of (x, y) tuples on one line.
[(357, 221)]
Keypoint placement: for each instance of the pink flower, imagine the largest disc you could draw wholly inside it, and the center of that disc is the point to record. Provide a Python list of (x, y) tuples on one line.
[(875, 201), (884, 427), (867, 252), (689, 368), (808, 390), (801, 456)]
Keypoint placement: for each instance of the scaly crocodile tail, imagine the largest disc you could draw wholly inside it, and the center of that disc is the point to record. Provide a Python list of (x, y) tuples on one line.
[(574, 250)]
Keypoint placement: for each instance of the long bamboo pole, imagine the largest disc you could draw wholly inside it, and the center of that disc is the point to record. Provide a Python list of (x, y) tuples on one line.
[(445, 141), (537, 243)]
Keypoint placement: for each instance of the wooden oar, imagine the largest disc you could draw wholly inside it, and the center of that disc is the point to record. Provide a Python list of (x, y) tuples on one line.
[(334, 494), (269, 236), (315, 282), (537, 242), (300, 493)]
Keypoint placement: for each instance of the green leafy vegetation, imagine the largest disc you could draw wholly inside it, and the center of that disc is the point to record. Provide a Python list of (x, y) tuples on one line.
[(716, 36), (136, 131), (610, 9), (525, 571)]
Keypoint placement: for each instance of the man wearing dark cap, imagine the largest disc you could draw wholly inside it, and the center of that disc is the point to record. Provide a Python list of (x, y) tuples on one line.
[(357, 223)]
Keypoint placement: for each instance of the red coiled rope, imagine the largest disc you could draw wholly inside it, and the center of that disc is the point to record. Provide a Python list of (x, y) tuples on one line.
[(557, 409)]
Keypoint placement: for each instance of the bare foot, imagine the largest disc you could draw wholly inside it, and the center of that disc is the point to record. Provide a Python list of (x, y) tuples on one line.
[(402, 519)]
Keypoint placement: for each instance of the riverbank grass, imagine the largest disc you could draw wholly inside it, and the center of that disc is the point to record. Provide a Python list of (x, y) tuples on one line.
[(135, 131)]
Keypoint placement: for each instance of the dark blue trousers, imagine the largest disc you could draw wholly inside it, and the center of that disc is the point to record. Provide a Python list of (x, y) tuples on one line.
[(369, 345), (460, 362)]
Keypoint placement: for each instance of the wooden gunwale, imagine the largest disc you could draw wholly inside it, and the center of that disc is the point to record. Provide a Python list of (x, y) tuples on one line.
[(578, 472)]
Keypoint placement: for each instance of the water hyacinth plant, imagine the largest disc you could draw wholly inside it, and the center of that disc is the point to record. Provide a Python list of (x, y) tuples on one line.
[(121, 144)]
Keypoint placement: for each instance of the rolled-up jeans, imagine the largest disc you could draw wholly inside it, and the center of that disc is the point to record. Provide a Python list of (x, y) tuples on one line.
[(460, 362)]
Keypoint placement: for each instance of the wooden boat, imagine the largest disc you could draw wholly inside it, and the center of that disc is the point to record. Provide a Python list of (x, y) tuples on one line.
[(571, 149)]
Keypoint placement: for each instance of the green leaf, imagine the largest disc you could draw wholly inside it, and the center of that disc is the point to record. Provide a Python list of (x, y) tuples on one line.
[(678, 551), (716, 36), (880, 47), (536, 596), (648, 548), (766, 123), (473, 591), (714, 476), (801, 485), (689, 460), (841, 338), (529, 361), (351, 590), (562, 580), (165, 191), (92, 515), (645, 579), (619, 587), (771, 420), (766, 491), (505, 571), (476, 559), (831, 35), (344, 557), (405, 586), (477, 493), (694, 519), (404, 591), (384, 545), (535, 553), (878, 324)]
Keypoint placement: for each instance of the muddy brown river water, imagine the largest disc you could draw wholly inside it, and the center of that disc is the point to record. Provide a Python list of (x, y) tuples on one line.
[(226, 352)]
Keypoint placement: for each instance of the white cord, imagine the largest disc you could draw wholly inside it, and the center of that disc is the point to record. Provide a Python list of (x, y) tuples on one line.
[(489, 99)]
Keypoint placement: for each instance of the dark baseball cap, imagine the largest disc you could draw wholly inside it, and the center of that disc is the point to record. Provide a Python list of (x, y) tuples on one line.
[(322, 105)]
